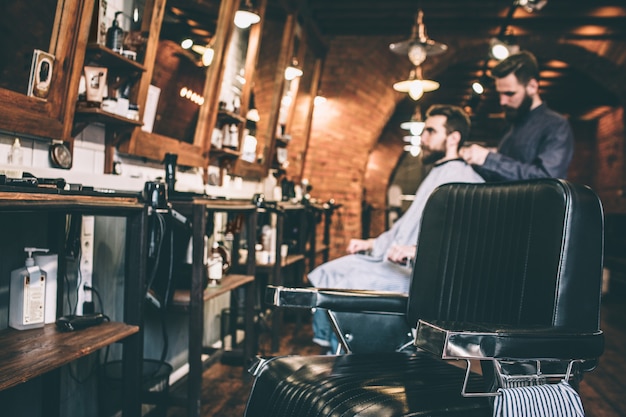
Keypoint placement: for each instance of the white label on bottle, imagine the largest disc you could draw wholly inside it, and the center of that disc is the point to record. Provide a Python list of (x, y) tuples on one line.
[(34, 293), (215, 268)]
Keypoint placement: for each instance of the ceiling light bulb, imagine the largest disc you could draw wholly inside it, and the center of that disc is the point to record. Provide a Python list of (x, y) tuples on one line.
[(246, 18), (186, 43), (416, 86), (318, 100), (502, 47), (478, 88), (417, 54), (417, 128), (292, 72), (499, 51), (416, 89), (532, 5), (413, 150), (414, 140), (207, 57), (253, 115)]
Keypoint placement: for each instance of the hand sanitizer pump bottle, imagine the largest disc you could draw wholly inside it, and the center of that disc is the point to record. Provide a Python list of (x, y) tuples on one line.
[(27, 294)]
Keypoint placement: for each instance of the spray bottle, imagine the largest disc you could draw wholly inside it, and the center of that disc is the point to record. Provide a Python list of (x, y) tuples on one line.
[(27, 294)]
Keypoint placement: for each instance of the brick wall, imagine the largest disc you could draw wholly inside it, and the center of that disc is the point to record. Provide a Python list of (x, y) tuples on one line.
[(609, 161), (357, 83)]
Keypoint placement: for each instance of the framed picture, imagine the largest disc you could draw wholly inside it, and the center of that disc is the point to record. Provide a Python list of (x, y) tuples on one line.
[(40, 74)]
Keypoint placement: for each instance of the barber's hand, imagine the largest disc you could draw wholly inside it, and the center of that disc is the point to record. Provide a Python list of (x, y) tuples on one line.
[(474, 154), (359, 245), (401, 253)]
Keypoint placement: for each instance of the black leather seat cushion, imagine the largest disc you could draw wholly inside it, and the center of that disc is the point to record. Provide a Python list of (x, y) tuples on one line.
[(364, 385)]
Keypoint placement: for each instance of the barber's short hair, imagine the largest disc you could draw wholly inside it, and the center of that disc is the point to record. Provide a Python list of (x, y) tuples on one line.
[(457, 119), (523, 65)]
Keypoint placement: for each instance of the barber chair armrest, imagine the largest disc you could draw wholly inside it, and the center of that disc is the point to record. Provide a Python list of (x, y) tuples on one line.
[(337, 300), (454, 340)]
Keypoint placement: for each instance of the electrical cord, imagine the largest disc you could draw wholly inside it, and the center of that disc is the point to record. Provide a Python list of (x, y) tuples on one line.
[(158, 237), (159, 231), (94, 291), (79, 279), (95, 365)]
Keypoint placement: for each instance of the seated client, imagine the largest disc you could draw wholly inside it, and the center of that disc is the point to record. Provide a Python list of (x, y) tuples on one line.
[(387, 266)]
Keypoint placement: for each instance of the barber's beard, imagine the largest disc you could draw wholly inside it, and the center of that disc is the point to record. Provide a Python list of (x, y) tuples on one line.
[(430, 157), (515, 115)]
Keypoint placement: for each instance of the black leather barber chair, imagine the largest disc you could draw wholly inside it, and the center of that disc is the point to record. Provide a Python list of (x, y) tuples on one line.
[(506, 282)]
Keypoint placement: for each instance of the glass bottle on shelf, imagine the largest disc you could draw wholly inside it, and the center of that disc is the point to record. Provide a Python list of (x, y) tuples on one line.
[(214, 266)]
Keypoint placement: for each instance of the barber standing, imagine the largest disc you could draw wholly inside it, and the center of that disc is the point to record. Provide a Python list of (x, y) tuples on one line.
[(538, 144)]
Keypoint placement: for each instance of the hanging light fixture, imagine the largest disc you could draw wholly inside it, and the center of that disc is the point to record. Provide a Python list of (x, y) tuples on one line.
[(532, 5), (186, 43), (206, 53), (413, 150), (415, 125), (503, 46), (415, 85), (414, 140), (319, 99), (246, 16), (419, 45), (293, 71)]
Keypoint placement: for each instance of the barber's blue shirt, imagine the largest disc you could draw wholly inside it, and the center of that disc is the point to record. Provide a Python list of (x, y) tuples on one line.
[(539, 146)]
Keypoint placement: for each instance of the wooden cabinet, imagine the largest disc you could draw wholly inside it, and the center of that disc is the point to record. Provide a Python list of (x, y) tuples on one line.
[(29, 354), (49, 117), (58, 118), (119, 123), (121, 71)]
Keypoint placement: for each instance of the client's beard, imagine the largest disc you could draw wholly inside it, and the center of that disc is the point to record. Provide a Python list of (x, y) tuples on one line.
[(431, 157), (515, 115)]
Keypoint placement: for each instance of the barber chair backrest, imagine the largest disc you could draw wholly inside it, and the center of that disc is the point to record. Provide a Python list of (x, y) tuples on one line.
[(527, 253)]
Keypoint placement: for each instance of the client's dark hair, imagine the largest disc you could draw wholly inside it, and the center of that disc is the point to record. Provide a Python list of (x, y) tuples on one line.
[(523, 65), (456, 119)]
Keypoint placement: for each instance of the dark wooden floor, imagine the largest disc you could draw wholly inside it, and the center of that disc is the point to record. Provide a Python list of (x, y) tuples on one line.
[(603, 391)]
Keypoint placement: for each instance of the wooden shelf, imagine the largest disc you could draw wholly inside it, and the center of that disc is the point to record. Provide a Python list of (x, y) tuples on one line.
[(288, 260), (96, 114), (27, 354), (224, 152), (103, 56), (230, 282), (225, 116), (19, 200)]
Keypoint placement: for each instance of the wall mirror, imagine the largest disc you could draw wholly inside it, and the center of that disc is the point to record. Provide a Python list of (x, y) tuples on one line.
[(184, 53), (178, 95), (265, 90), (54, 28)]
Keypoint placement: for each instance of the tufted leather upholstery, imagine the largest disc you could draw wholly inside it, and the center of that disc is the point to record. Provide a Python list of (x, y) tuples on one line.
[(503, 270)]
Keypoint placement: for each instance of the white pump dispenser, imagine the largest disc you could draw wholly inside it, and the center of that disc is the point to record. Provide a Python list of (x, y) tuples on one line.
[(27, 294), (15, 155)]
